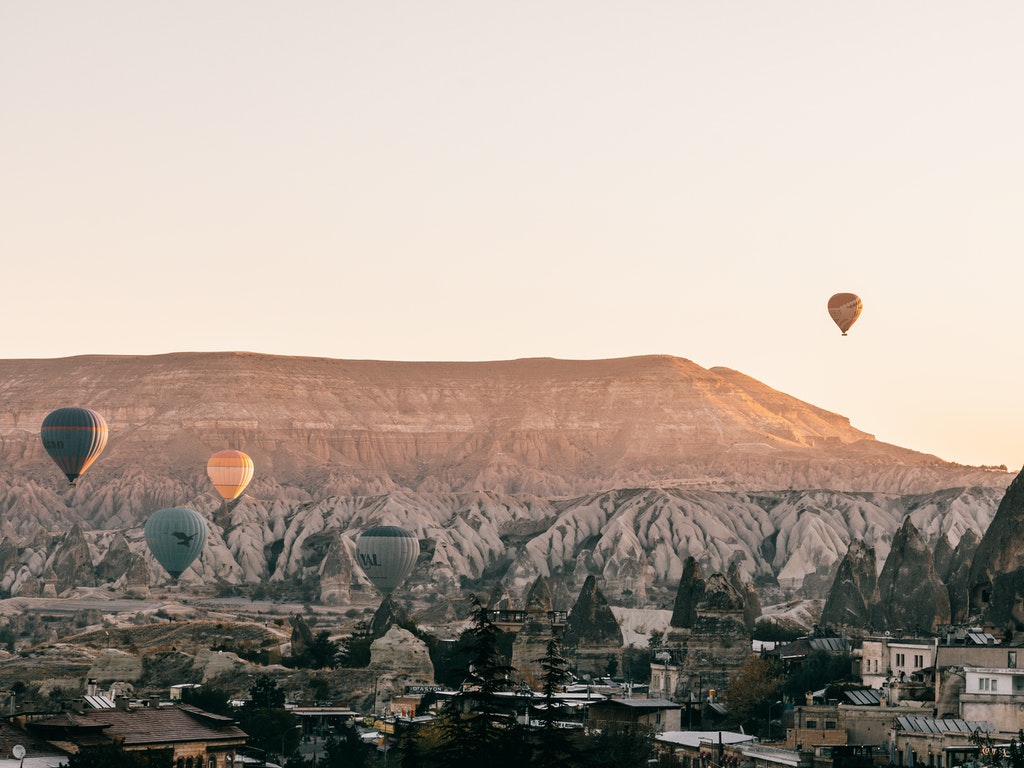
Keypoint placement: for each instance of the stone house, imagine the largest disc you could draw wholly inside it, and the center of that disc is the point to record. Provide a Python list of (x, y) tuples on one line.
[(995, 695), (933, 742), (887, 659), (658, 714), (179, 736)]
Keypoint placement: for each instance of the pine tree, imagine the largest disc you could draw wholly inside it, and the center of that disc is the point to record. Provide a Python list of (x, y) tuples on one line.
[(553, 745), (475, 730)]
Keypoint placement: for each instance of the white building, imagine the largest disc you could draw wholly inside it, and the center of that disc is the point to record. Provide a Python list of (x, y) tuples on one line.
[(996, 695), (888, 659)]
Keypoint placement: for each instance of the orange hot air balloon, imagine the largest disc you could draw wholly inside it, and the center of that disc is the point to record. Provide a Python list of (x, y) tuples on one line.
[(230, 471), (845, 309)]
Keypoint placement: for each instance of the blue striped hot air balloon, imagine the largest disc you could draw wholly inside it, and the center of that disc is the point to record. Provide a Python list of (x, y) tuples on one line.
[(175, 536), (387, 555), (74, 438)]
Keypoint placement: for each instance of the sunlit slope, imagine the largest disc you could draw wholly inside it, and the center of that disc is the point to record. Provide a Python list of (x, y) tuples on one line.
[(540, 426)]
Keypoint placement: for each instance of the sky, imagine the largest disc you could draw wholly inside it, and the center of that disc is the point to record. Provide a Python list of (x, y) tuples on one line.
[(484, 180)]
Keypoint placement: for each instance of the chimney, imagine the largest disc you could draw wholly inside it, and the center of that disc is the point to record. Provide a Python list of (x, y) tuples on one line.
[(90, 687)]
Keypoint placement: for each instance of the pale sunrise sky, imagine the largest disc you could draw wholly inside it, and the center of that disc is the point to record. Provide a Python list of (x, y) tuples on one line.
[(435, 180)]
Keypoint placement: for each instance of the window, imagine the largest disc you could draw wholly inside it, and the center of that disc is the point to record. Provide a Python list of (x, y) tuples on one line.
[(876, 665), (1011, 659), (918, 661), (812, 724), (830, 725), (900, 659), (982, 683), (995, 683)]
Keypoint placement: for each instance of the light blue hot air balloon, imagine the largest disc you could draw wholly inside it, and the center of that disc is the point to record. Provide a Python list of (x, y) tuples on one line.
[(175, 536), (387, 555)]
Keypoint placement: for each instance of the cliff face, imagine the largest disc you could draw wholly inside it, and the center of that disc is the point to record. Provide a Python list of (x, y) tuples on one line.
[(997, 570), (545, 427), (854, 595), (911, 594), (505, 471)]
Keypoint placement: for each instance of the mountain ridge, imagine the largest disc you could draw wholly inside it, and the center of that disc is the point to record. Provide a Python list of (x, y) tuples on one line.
[(537, 425), (505, 470)]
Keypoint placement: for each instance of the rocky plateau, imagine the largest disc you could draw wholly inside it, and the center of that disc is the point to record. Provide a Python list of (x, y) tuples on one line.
[(506, 471)]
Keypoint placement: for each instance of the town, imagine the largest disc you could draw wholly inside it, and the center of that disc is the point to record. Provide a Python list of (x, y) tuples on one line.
[(941, 700)]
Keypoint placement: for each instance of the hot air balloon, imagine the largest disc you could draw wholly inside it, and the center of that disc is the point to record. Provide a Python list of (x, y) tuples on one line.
[(230, 471), (175, 536), (845, 309), (387, 554), (74, 438)]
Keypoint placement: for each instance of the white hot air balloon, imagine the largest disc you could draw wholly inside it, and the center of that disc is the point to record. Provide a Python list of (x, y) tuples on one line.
[(387, 555)]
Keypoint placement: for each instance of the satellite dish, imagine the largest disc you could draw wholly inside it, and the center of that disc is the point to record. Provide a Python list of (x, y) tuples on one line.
[(18, 751)]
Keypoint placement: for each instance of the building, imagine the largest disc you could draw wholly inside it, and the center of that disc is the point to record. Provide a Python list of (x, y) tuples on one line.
[(181, 736), (317, 719), (726, 749), (887, 659), (975, 648), (996, 695), (937, 743), (816, 725), (665, 677), (37, 752), (658, 714), (695, 749)]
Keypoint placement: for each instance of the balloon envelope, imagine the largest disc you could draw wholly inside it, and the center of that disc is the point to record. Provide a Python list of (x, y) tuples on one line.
[(387, 555), (175, 536), (74, 438), (230, 471), (845, 309)]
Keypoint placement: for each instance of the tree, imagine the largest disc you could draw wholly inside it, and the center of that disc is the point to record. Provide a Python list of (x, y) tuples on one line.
[(265, 694), (354, 651), (612, 666), (323, 652), (752, 690), (620, 746), (474, 729), (208, 699), (320, 688), (345, 750), (270, 726), (270, 730), (488, 669), (768, 630), (818, 670), (553, 745)]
